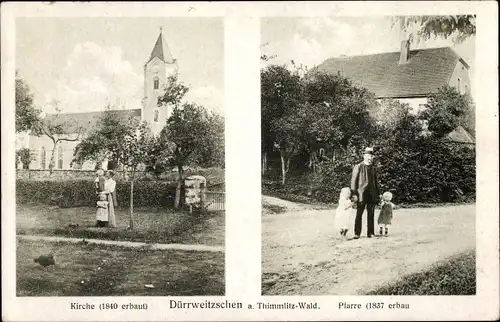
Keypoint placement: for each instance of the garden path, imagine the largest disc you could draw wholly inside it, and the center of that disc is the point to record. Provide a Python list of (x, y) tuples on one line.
[(303, 255), (200, 248)]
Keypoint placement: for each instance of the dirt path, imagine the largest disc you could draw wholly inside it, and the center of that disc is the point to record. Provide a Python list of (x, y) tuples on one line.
[(199, 248), (302, 254)]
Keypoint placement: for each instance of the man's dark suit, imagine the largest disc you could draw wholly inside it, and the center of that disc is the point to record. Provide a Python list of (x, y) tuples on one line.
[(364, 184)]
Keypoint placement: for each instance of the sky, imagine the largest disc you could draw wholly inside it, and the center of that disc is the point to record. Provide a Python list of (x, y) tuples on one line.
[(84, 62), (310, 41)]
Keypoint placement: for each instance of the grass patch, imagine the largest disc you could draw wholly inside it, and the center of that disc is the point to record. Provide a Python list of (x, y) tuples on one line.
[(97, 270), (151, 225), (456, 276)]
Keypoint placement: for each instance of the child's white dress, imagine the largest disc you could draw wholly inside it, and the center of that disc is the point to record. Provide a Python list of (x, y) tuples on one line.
[(343, 214), (102, 211)]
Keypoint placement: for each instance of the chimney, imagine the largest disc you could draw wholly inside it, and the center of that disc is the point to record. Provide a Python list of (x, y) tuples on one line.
[(405, 52)]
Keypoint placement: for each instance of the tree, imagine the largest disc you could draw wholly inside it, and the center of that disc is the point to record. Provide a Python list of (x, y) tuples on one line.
[(57, 129), (132, 151), (306, 110), (281, 89), (213, 153), (27, 116), (395, 123), (191, 136), (339, 112), (104, 138), (446, 110), (173, 92), (460, 27), (25, 155)]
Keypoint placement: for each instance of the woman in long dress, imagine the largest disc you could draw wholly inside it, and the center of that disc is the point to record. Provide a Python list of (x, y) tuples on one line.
[(101, 217), (109, 187)]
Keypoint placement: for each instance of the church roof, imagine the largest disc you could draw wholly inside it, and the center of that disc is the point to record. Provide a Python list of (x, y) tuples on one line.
[(87, 120), (425, 72), (161, 51)]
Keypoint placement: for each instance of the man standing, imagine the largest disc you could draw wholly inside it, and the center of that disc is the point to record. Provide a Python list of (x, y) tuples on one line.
[(365, 186)]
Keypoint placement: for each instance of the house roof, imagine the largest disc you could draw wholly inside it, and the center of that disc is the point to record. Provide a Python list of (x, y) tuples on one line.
[(425, 71), (460, 135), (88, 119), (162, 51)]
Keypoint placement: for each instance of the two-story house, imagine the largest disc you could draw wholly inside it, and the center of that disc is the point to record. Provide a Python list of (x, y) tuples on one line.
[(408, 76)]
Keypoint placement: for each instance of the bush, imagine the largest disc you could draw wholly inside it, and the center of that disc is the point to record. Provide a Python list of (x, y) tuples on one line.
[(71, 193), (429, 170)]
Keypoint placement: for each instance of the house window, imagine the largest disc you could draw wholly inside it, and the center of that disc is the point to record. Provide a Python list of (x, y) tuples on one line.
[(43, 158), (157, 114), (459, 86), (60, 157), (466, 88), (156, 82)]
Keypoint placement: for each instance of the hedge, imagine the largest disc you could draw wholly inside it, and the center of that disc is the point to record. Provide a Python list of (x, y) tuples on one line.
[(426, 172), (73, 193)]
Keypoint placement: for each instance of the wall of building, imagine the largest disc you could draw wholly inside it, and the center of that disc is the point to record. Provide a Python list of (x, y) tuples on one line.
[(64, 151), (416, 104), (460, 78), (156, 68)]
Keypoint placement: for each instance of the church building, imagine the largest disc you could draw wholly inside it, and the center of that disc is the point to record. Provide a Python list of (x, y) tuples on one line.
[(158, 67)]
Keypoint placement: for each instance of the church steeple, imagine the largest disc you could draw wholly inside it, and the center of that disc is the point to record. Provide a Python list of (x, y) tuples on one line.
[(161, 50), (160, 65)]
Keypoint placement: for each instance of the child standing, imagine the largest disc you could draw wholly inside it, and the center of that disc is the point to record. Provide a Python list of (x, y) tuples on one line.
[(344, 211), (385, 215), (102, 211)]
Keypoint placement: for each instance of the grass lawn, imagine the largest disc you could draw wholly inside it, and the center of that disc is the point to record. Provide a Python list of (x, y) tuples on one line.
[(151, 225), (96, 270), (456, 276)]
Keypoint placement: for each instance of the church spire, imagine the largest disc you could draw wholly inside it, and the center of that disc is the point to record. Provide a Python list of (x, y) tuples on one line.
[(161, 50)]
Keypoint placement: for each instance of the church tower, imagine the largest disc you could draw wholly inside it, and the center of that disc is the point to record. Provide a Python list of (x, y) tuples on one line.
[(160, 65)]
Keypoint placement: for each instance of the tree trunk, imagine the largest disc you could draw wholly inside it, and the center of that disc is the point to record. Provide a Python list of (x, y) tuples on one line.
[(283, 169), (264, 163), (178, 188), (131, 223), (313, 160)]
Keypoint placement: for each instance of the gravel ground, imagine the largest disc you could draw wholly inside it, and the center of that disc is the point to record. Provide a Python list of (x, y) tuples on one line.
[(302, 254)]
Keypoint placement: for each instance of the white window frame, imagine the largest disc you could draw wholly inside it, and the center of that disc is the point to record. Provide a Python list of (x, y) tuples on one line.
[(156, 81), (60, 159)]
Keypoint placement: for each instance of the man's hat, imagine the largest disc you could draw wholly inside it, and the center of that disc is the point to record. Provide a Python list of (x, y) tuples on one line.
[(368, 150)]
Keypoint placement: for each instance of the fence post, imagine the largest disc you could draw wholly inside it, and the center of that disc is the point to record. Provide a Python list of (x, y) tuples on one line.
[(202, 196)]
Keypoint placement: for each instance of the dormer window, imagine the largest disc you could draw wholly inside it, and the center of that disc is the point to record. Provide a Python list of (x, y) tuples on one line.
[(156, 82), (156, 115)]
